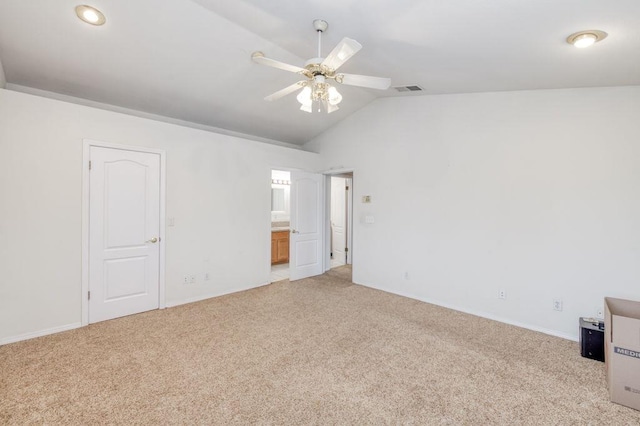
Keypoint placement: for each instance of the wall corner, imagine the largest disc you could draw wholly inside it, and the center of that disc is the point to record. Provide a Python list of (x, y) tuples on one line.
[(3, 78)]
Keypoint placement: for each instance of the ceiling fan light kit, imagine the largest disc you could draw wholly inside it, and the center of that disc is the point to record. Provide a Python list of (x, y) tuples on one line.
[(317, 92)]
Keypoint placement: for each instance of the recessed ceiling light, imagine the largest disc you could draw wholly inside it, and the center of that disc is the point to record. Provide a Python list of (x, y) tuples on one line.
[(90, 15), (586, 38)]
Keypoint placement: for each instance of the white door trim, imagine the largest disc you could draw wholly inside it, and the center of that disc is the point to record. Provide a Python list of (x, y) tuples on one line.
[(327, 213), (349, 209), (326, 257), (86, 147)]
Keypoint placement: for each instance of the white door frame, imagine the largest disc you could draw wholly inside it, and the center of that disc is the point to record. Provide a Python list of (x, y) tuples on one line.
[(327, 215), (290, 170), (349, 222), (338, 220), (86, 147)]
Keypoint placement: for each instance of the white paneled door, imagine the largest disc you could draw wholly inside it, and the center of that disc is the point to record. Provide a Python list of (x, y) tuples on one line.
[(305, 258), (339, 220), (124, 232), (349, 220)]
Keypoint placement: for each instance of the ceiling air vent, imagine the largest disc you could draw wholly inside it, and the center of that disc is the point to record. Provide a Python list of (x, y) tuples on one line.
[(409, 88)]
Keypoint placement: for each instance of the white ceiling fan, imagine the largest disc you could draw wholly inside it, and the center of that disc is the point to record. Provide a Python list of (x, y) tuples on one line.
[(319, 71)]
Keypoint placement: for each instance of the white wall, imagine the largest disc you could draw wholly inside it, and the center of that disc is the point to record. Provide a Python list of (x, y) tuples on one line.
[(536, 193), (3, 79), (218, 191)]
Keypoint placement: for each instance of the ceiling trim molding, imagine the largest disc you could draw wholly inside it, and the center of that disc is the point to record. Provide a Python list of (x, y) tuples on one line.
[(149, 116)]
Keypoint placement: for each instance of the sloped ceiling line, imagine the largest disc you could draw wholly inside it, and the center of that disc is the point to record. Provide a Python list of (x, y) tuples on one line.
[(191, 60)]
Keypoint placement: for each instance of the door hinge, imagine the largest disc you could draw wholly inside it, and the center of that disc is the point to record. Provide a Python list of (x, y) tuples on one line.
[(346, 249), (88, 295), (89, 164), (347, 188)]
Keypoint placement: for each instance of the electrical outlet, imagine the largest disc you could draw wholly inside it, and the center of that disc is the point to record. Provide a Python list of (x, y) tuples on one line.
[(600, 313), (557, 304), (206, 276), (502, 294), (406, 275), (192, 279), (185, 280)]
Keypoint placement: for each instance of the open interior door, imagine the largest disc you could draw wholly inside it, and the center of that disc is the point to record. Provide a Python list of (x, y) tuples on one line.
[(349, 220), (338, 221), (307, 208)]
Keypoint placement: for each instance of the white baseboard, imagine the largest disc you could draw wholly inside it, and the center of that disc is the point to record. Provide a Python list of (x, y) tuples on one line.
[(480, 314), (40, 333), (174, 303), (53, 330)]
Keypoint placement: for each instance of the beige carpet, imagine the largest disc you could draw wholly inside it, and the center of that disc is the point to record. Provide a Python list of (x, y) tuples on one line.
[(317, 351)]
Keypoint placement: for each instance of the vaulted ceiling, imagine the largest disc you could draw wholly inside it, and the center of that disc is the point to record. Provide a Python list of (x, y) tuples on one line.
[(191, 59)]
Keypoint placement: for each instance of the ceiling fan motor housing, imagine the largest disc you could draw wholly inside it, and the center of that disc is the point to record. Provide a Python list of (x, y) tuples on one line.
[(313, 61)]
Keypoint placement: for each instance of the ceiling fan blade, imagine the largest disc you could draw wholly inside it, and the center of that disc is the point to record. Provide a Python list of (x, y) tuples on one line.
[(381, 83), (258, 57), (284, 92), (341, 53)]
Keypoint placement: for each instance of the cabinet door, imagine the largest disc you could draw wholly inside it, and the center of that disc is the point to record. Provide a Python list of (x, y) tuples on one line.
[(274, 249), (286, 249), (279, 247), (283, 248)]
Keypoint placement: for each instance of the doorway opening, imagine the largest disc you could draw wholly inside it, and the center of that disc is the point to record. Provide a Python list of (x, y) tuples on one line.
[(297, 224), (280, 224), (340, 222)]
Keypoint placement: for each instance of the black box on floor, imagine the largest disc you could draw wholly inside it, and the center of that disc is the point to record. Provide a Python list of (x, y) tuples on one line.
[(592, 338)]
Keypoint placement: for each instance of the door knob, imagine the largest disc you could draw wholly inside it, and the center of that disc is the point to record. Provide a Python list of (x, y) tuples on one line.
[(293, 231), (153, 240)]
